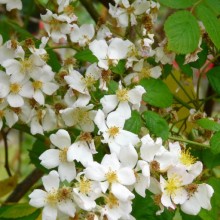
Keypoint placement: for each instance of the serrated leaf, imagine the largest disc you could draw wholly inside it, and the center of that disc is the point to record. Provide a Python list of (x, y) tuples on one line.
[(7, 185), (38, 148), (112, 87), (16, 211), (133, 124), (119, 68), (211, 23), (215, 143), (186, 69), (157, 93), (208, 124), (86, 55), (178, 4), (214, 5), (156, 124), (214, 78), (182, 31)]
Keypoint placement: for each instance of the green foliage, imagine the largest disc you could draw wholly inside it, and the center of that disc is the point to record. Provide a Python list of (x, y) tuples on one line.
[(186, 69), (208, 124), (119, 68), (156, 124), (22, 211), (211, 23), (182, 31), (214, 5), (215, 143), (133, 124), (214, 78), (53, 61), (86, 55), (112, 87), (178, 4), (157, 93)]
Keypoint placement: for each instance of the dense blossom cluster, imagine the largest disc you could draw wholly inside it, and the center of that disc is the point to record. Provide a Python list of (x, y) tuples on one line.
[(81, 183)]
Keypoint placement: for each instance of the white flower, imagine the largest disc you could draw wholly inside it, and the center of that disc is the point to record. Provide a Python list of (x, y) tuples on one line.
[(110, 54), (83, 84), (14, 91), (63, 4), (127, 13), (103, 33), (164, 57), (122, 99), (111, 174), (12, 4), (173, 191), (83, 34), (79, 116), (199, 197), (58, 157), (112, 131), (54, 199)]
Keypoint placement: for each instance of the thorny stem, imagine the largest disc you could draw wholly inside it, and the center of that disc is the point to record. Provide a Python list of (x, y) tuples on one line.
[(4, 136), (189, 142)]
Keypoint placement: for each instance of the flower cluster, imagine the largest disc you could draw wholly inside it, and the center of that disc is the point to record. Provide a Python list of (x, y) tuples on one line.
[(99, 165)]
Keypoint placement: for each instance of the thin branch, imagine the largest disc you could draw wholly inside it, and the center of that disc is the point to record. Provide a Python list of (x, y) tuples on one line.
[(23, 187), (4, 136), (91, 9), (106, 3)]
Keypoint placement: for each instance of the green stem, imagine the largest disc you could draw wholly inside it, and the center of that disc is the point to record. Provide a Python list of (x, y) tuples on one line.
[(181, 102), (189, 142)]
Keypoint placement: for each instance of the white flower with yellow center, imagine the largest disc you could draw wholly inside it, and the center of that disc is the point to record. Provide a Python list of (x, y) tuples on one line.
[(58, 157), (14, 91), (121, 100), (82, 83), (112, 131), (83, 34), (54, 199), (173, 191), (113, 176), (199, 197), (80, 116), (126, 13), (110, 54), (43, 83)]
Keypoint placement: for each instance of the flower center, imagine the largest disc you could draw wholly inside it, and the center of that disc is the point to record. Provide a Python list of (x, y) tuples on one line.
[(145, 73), (81, 116), (85, 186), (89, 81), (64, 193), (85, 136), (111, 201), (52, 197), (186, 158), (122, 95), (111, 176), (26, 65), (113, 131), (37, 84), (15, 88), (63, 154), (173, 184)]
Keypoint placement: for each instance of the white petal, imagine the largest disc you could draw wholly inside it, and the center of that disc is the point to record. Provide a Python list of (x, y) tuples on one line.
[(15, 100), (179, 196), (135, 95), (67, 207), (191, 206), (100, 120), (110, 161), (121, 192), (37, 198), (51, 181), (39, 97), (109, 103), (50, 158), (27, 90), (11, 117), (61, 139), (126, 176), (95, 171), (99, 48), (49, 88), (141, 185), (67, 171), (49, 213)]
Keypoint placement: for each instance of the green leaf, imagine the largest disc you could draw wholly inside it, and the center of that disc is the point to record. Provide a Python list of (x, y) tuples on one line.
[(186, 69), (53, 61), (208, 124), (214, 5), (156, 124), (209, 159), (157, 93), (119, 68), (214, 78), (202, 57), (215, 143), (112, 87), (133, 124), (178, 4), (38, 148), (182, 31), (211, 23), (86, 55), (16, 211)]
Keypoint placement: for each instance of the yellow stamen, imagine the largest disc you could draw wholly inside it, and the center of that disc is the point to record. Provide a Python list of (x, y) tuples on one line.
[(113, 131), (173, 184), (85, 186), (111, 201), (37, 85), (186, 158), (122, 95), (15, 88), (111, 176), (63, 154)]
